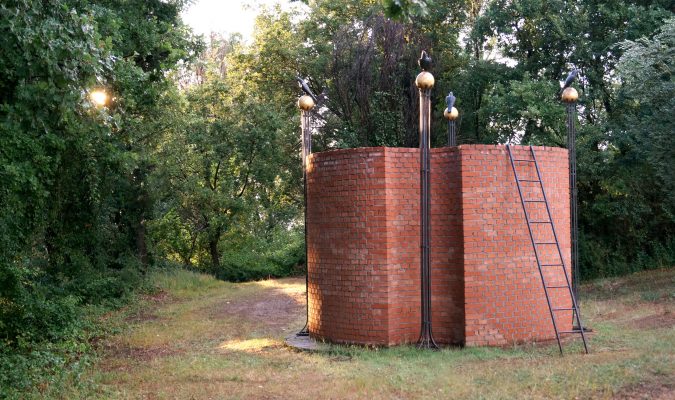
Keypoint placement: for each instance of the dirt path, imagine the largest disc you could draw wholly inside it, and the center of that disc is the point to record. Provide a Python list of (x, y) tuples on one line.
[(273, 309), (263, 311)]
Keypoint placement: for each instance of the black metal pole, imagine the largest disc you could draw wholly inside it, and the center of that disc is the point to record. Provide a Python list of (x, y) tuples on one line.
[(574, 224), (305, 121), (452, 135), (425, 81), (451, 115)]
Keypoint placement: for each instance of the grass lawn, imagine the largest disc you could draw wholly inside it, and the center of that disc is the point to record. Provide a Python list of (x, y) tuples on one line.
[(200, 338)]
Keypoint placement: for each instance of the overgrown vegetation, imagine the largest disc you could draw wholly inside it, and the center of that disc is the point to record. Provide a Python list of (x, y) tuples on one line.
[(194, 160)]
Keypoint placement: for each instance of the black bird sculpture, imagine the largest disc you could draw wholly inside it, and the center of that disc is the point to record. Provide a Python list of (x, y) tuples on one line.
[(305, 88), (450, 101), (570, 78), (424, 61)]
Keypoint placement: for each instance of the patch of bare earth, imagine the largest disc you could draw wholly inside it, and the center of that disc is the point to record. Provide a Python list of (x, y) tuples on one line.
[(647, 391), (153, 301), (272, 309), (121, 357), (140, 317), (141, 353), (118, 350), (655, 321), (660, 317), (160, 296)]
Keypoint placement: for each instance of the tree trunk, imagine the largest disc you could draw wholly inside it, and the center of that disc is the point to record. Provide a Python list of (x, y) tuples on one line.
[(141, 244), (213, 250)]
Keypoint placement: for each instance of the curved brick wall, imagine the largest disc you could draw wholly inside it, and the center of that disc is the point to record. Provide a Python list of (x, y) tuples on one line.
[(363, 246), (505, 301)]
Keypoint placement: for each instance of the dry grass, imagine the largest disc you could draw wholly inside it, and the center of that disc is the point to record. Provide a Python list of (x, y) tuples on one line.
[(206, 339)]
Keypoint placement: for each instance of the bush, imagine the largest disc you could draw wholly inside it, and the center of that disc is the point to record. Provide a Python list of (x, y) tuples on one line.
[(47, 322), (256, 259), (599, 258)]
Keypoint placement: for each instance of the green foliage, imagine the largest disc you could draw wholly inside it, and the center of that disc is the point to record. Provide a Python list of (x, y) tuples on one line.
[(260, 259), (72, 203), (230, 172), (628, 197), (367, 63), (405, 9), (646, 103)]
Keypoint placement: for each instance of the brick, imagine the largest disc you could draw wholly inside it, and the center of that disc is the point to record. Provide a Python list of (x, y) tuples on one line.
[(363, 246)]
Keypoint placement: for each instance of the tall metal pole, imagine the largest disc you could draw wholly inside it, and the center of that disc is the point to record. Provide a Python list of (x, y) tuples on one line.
[(305, 103), (569, 97), (451, 115), (425, 82)]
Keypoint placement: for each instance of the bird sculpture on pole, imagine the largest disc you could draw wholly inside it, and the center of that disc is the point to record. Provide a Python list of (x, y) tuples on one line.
[(451, 114), (424, 61), (450, 101), (570, 79), (305, 88)]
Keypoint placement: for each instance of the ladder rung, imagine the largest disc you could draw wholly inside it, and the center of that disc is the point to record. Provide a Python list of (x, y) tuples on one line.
[(522, 159), (533, 201), (557, 287), (545, 242), (563, 309), (574, 331), (528, 180), (540, 222), (551, 265)]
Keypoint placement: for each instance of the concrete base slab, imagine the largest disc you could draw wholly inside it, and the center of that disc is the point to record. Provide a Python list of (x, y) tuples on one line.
[(305, 343)]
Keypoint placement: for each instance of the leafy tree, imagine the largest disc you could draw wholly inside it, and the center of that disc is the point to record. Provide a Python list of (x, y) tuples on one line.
[(646, 96), (366, 65), (628, 223), (73, 202), (406, 9), (232, 169), (515, 99)]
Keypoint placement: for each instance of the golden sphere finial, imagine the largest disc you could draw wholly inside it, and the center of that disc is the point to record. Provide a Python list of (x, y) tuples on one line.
[(425, 80), (451, 115), (305, 103), (570, 95)]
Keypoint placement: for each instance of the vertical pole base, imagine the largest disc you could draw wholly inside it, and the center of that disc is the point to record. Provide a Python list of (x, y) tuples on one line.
[(426, 340), (306, 151), (304, 331)]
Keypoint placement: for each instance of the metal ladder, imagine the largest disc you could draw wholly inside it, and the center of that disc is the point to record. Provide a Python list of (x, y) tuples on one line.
[(579, 329)]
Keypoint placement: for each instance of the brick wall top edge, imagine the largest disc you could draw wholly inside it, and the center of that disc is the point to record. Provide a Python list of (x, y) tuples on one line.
[(464, 147), (480, 147), (339, 152), (454, 149)]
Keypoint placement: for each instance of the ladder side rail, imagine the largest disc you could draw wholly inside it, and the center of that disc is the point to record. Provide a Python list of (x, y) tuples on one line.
[(562, 259), (536, 252)]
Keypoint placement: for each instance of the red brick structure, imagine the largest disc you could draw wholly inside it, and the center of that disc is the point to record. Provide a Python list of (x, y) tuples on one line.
[(364, 246)]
